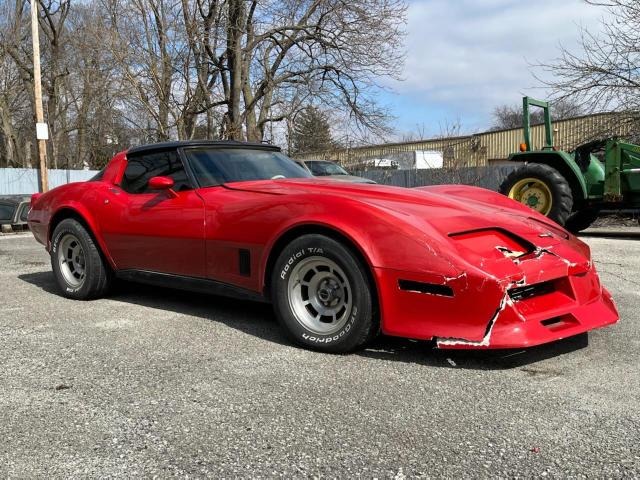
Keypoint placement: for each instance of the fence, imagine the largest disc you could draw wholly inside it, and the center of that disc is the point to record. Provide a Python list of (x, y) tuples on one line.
[(487, 177), (24, 181)]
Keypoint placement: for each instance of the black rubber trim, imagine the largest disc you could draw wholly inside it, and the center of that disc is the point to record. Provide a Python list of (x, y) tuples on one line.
[(201, 143), (191, 284)]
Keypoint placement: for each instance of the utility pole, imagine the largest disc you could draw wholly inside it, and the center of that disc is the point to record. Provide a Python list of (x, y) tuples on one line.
[(42, 131)]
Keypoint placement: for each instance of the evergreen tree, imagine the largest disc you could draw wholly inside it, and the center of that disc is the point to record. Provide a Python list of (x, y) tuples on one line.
[(311, 131)]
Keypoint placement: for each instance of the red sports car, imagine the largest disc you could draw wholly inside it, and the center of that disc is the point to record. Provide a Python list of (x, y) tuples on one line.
[(341, 262)]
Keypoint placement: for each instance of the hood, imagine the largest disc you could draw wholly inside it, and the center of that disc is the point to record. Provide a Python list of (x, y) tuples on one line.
[(441, 207)]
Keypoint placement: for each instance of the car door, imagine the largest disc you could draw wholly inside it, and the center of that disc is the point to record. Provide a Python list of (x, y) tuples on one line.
[(158, 231)]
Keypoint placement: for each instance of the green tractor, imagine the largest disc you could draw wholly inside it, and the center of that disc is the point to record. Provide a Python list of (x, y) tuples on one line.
[(572, 187)]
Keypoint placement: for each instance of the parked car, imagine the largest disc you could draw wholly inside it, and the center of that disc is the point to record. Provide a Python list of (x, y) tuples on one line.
[(324, 168), (341, 262), (14, 210)]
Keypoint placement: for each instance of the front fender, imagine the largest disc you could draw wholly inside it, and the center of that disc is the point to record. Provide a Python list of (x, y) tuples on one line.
[(386, 239)]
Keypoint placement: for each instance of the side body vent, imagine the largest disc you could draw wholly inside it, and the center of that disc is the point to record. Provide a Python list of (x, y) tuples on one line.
[(244, 262), (421, 287)]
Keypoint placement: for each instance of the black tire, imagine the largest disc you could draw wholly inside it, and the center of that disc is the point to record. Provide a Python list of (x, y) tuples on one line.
[(581, 220), (561, 195), (360, 325), (96, 273)]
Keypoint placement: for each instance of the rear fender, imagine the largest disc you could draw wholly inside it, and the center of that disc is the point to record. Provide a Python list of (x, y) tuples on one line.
[(77, 210), (564, 163)]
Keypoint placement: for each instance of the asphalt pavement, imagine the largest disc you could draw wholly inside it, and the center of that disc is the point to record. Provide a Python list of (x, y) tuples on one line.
[(153, 382)]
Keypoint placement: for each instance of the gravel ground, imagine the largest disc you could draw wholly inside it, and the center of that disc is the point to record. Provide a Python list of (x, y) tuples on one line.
[(153, 382), (617, 220)]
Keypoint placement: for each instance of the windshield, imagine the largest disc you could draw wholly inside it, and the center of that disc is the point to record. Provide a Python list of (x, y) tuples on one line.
[(214, 166), (321, 169)]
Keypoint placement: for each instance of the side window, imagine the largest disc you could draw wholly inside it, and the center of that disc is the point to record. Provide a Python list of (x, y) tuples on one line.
[(313, 167), (24, 213), (141, 168), (6, 212)]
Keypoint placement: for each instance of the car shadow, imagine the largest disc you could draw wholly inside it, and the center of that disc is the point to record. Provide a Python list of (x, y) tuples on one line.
[(412, 351), (617, 235), (257, 319)]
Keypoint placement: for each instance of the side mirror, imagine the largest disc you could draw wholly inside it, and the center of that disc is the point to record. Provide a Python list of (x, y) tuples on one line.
[(162, 183)]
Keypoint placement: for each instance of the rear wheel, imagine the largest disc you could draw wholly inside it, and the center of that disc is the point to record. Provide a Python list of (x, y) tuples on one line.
[(81, 272), (542, 188), (582, 219), (322, 296)]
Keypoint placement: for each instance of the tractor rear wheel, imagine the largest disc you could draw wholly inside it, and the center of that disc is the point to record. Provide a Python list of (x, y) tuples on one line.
[(542, 188), (582, 219)]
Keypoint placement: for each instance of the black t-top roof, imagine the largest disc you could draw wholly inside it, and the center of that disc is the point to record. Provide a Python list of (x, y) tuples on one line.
[(201, 143)]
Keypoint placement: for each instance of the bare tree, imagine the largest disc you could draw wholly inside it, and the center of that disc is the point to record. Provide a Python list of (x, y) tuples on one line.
[(450, 128), (604, 74), (146, 47), (17, 78), (117, 72), (14, 111), (204, 23), (417, 134), (52, 18), (337, 49), (511, 116)]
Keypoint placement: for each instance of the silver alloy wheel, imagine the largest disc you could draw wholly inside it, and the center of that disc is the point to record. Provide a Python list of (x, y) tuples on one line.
[(320, 295), (71, 260)]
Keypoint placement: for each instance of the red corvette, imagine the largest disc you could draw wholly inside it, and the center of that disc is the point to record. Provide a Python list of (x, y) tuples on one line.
[(462, 266)]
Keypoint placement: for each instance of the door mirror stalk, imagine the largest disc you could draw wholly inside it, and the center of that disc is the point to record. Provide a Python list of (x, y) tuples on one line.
[(162, 183)]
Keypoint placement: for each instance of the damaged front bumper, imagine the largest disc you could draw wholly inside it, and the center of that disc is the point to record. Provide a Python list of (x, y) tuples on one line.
[(520, 301), (533, 322)]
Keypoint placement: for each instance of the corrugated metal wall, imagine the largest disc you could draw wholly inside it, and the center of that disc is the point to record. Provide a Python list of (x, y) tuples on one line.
[(483, 148), (567, 134), (24, 181)]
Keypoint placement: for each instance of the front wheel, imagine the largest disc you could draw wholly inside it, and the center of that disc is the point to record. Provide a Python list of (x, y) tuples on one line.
[(322, 296), (542, 188)]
